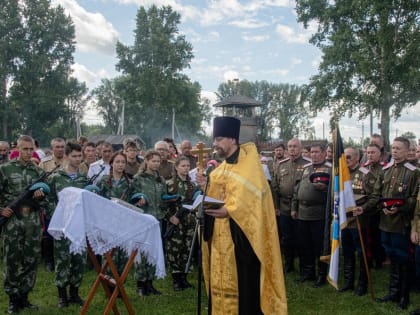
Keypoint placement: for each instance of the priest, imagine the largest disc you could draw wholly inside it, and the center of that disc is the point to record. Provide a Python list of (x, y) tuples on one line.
[(241, 264)]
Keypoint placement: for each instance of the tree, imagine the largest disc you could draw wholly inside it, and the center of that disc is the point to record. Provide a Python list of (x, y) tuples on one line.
[(11, 48), (41, 83), (108, 103), (371, 57), (154, 83), (409, 135)]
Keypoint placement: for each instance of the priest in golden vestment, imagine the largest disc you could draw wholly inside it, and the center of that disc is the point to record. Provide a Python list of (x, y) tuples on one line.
[(242, 264)]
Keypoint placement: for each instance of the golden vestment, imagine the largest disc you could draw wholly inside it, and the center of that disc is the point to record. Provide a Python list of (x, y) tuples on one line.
[(247, 196)]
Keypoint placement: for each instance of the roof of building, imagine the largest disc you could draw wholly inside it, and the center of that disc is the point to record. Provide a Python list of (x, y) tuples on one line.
[(238, 100)]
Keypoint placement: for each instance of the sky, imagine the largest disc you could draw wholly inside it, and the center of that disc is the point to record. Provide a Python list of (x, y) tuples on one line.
[(250, 40)]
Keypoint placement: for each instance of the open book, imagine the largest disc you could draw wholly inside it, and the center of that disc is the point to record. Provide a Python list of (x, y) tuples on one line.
[(208, 203)]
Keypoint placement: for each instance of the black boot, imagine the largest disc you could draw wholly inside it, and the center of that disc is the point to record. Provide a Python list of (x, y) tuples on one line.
[(307, 271), (74, 296), (404, 287), (288, 260), (322, 274), (62, 298), (185, 282), (363, 280), (14, 305), (142, 289), (24, 303), (151, 288), (394, 285), (48, 253), (177, 282), (349, 266)]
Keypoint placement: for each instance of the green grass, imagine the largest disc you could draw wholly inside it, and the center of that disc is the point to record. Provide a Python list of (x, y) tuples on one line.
[(302, 298)]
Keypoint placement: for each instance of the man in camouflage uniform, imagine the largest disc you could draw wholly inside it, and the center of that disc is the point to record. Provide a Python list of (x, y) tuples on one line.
[(399, 181), (287, 172), (68, 267), (48, 164), (22, 237), (308, 207), (363, 182)]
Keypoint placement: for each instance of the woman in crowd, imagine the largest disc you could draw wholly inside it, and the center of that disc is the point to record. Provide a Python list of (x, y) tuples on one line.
[(117, 185), (180, 230), (152, 186)]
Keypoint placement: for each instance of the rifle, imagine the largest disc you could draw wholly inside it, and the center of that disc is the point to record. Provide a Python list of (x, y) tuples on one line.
[(95, 176), (180, 213), (25, 195)]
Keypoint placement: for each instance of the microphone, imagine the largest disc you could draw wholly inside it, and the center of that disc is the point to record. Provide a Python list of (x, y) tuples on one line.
[(211, 165)]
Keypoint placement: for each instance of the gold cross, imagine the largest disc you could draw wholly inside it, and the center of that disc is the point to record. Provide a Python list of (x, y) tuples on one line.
[(200, 153)]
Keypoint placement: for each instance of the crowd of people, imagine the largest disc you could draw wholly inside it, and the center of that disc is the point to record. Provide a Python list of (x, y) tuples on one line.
[(387, 213), (294, 189)]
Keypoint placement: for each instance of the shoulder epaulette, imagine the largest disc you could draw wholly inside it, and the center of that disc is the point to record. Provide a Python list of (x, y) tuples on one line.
[(307, 165), (410, 166), (328, 164), (364, 170), (47, 158), (367, 163), (388, 165), (306, 159), (282, 161)]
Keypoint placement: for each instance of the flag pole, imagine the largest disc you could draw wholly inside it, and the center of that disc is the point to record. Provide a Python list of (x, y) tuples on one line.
[(362, 245)]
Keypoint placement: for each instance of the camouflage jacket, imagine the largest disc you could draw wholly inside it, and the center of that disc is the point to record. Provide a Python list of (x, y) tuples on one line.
[(57, 182), (153, 187), (185, 188), (111, 188), (14, 177)]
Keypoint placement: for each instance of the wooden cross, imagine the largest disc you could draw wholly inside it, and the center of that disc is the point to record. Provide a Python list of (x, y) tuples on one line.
[(200, 153)]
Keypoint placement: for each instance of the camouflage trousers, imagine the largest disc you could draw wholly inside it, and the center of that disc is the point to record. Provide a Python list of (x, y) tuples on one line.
[(179, 245), (144, 270), (22, 249), (69, 267)]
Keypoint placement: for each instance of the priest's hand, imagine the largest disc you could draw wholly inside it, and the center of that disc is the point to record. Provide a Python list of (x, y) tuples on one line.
[(218, 213)]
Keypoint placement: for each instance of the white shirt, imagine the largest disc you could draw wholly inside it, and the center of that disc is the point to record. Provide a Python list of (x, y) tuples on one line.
[(95, 168)]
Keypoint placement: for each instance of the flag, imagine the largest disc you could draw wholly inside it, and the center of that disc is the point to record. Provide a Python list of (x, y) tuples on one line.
[(343, 202)]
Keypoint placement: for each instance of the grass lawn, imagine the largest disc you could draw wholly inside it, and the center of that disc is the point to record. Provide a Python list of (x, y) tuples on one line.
[(302, 298)]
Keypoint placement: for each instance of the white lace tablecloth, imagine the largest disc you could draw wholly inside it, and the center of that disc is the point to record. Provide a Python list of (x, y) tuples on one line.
[(81, 214)]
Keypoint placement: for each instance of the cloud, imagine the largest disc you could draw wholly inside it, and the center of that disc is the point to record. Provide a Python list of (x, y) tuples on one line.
[(248, 23), (230, 75), (91, 78), (296, 61), (278, 72), (93, 31), (256, 38), (299, 36)]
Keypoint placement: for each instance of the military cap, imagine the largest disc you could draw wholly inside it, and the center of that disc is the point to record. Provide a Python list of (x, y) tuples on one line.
[(392, 202), (320, 177)]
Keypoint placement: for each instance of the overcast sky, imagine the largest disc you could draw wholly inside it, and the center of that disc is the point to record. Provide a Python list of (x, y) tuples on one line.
[(252, 40)]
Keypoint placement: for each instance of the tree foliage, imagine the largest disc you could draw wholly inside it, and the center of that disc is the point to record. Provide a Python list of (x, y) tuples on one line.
[(36, 54), (282, 108), (371, 56), (154, 85)]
